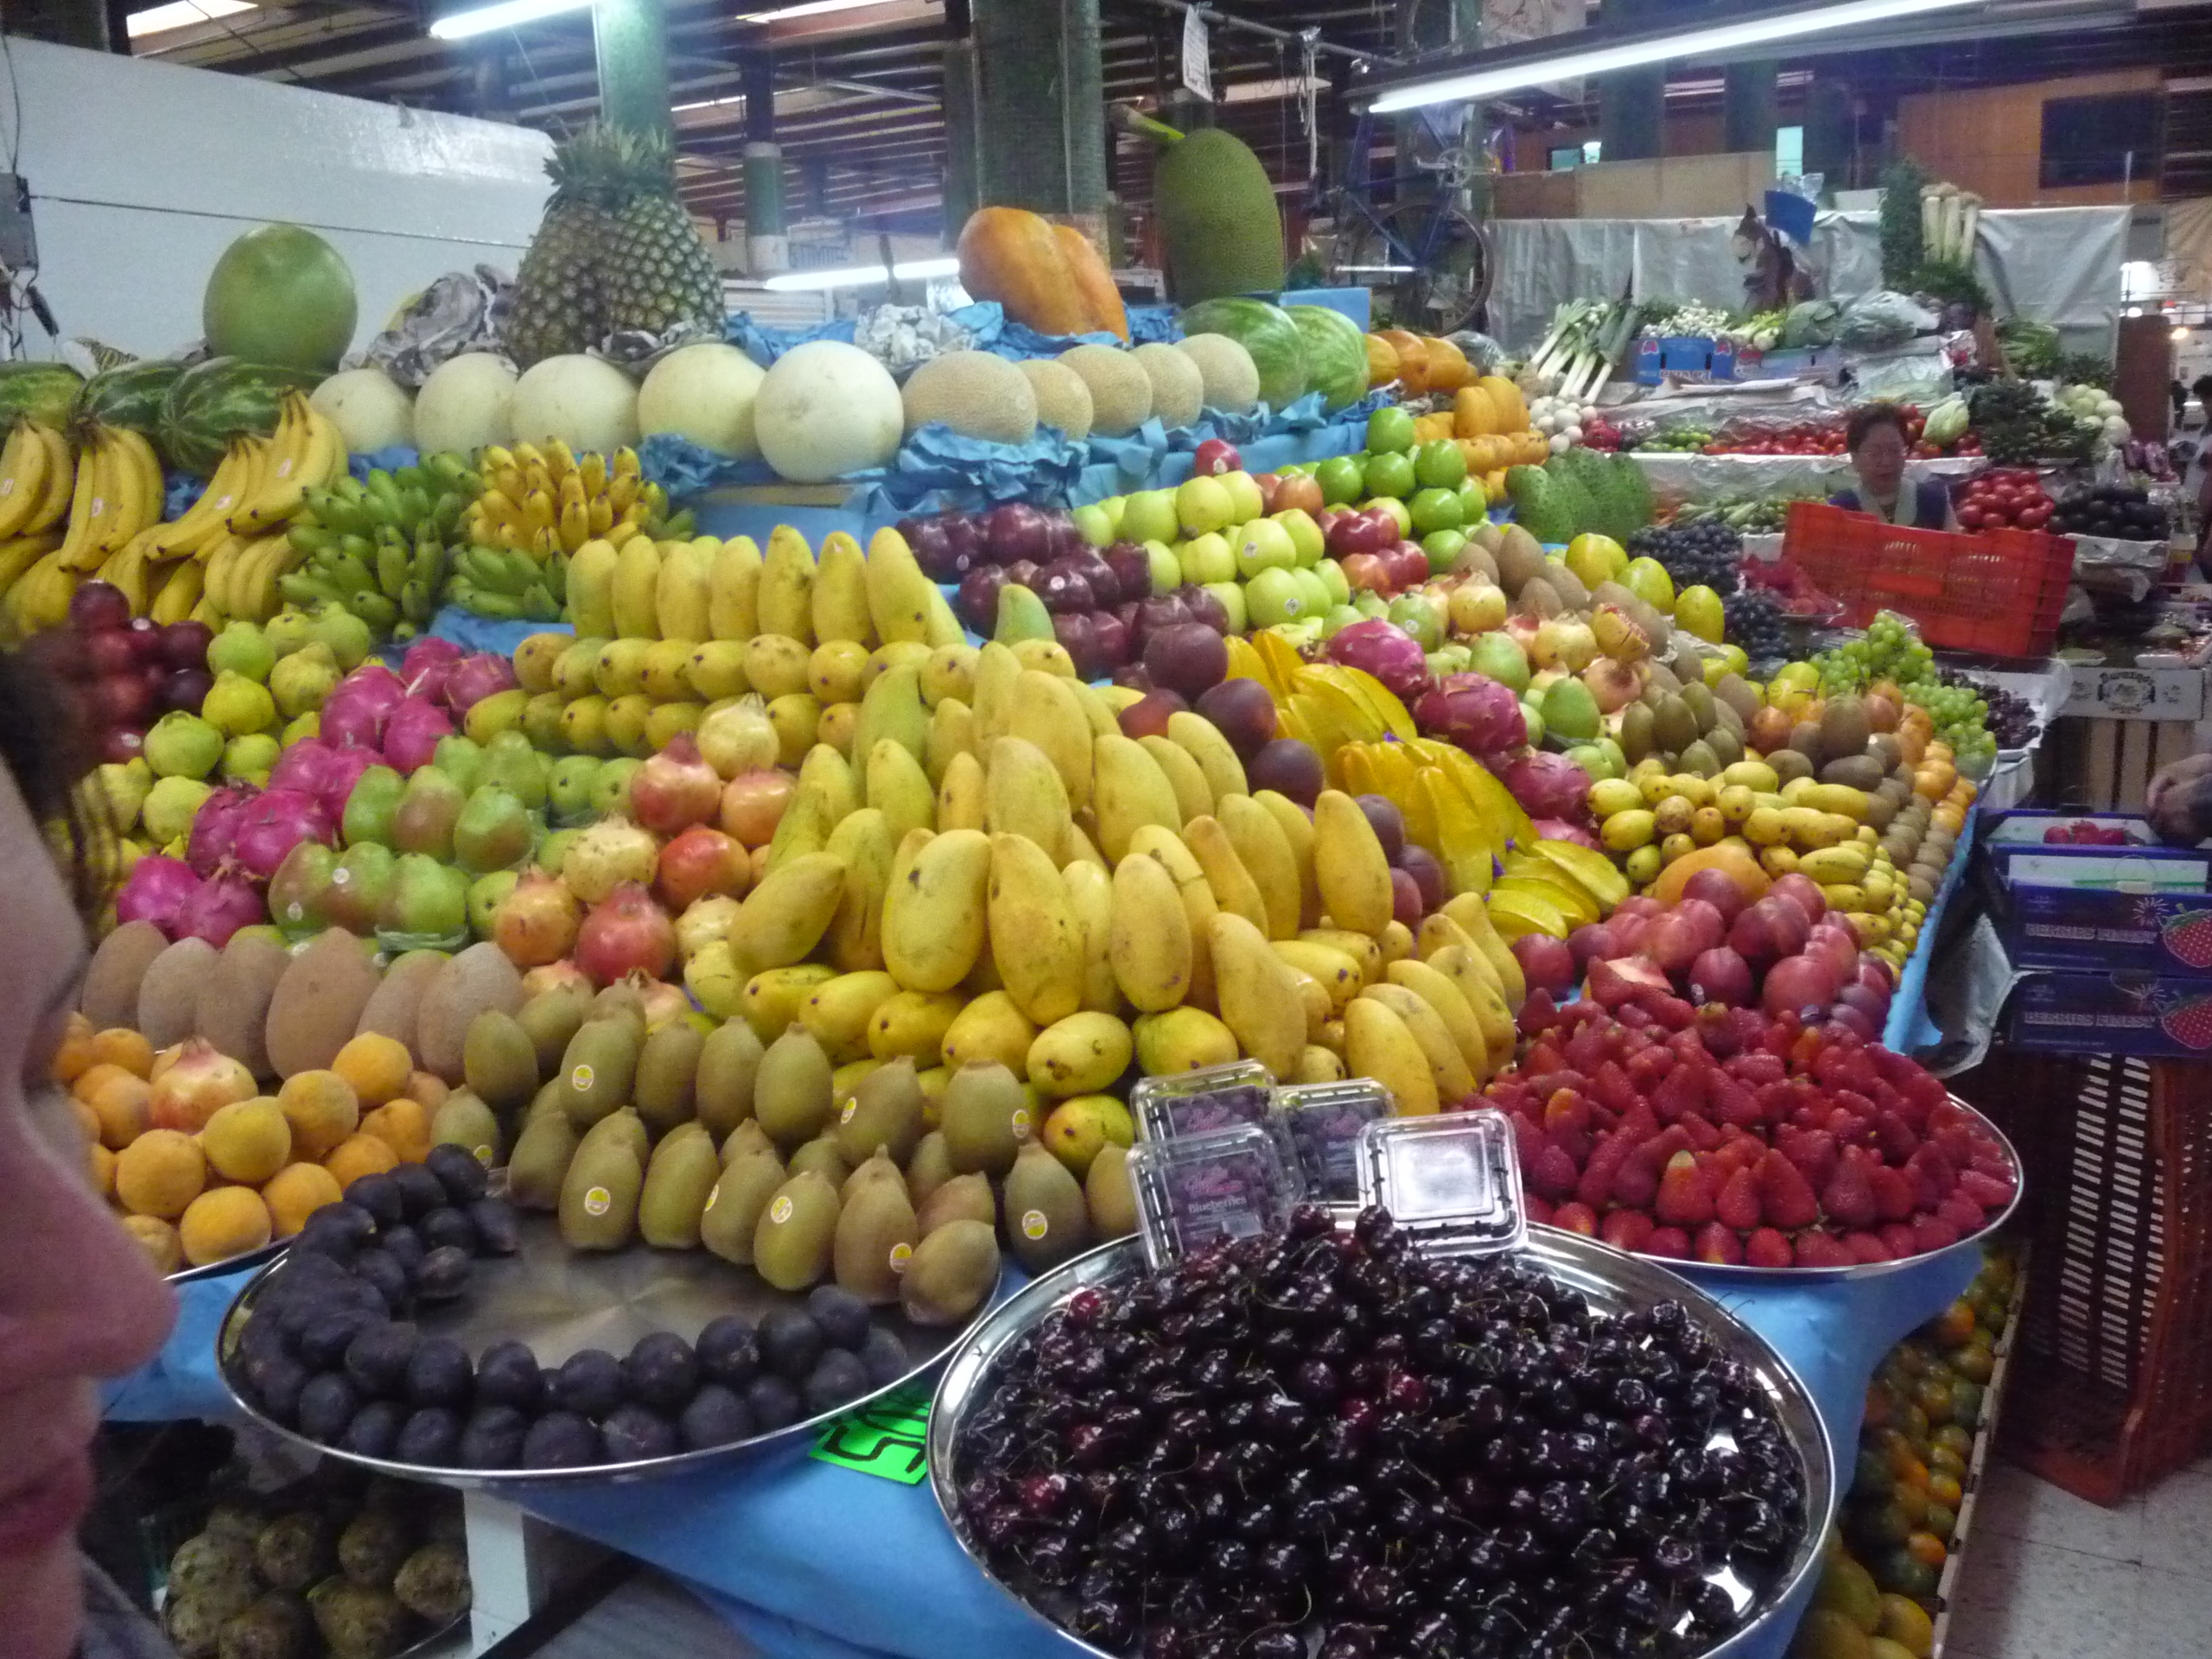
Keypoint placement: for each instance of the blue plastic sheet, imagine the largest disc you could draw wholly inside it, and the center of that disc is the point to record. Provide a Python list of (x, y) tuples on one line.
[(1909, 1027)]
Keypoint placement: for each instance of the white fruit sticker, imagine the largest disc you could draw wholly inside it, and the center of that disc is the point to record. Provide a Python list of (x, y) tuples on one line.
[(1020, 1121), (846, 1117), (598, 1201), (1033, 1224), (780, 1210), (900, 1255), (582, 1077), (483, 1156)]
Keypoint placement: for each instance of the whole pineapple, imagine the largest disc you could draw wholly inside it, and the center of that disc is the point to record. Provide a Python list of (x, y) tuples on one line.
[(560, 302), (658, 275)]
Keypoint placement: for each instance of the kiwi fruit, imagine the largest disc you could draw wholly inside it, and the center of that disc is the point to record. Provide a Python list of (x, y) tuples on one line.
[(1880, 809), (540, 1162), (598, 1068), (964, 1197), (1046, 1220), (791, 1090), (1699, 700), (551, 1018), (1673, 727), (1538, 599), (930, 1168), (1108, 1194), (746, 1137), (1699, 761), (1805, 737), (668, 1063), (796, 1231), (463, 1120), (950, 1273), (820, 1155), (317, 1006), (626, 1126), (1844, 728), (1886, 752), (875, 1233), (110, 994), (232, 1009), (1862, 771), (1790, 765), (1636, 734), (1735, 690), (985, 1116), (1568, 586), (600, 1192), (392, 1009), (679, 1180), (728, 1063), (885, 1113), (499, 1061), (480, 977), (1726, 719), (742, 1193), (169, 994), (1725, 747), (1520, 559)]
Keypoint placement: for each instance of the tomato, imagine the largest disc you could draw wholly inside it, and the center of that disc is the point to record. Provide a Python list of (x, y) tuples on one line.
[(2035, 517), (1970, 517)]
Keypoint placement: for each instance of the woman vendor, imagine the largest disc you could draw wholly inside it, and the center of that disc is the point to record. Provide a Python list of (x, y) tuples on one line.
[(1874, 435)]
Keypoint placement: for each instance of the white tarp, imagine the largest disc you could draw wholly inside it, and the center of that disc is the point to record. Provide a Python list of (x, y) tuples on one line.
[(2059, 265)]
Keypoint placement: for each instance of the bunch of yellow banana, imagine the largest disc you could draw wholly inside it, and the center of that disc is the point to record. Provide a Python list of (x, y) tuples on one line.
[(305, 452), (37, 479), (548, 501), (118, 494)]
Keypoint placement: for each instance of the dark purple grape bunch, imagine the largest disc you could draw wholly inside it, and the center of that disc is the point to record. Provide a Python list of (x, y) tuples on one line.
[(1325, 1434)]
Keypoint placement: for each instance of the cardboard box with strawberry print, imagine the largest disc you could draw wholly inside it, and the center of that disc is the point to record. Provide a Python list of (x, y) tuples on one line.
[(2152, 1016), (2079, 893)]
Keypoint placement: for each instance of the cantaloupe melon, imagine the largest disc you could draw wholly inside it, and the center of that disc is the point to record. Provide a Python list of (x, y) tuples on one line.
[(705, 393), (466, 402), (825, 409), (1178, 388), (1121, 391), (1063, 400), (977, 394), (1231, 378)]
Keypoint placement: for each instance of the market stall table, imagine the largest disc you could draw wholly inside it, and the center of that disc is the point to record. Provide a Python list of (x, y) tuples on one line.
[(811, 1561)]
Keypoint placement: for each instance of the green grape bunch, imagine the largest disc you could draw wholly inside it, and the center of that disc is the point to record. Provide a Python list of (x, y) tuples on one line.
[(1893, 650)]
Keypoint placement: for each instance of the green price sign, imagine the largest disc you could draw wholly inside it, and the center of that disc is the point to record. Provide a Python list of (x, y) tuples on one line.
[(889, 1439)]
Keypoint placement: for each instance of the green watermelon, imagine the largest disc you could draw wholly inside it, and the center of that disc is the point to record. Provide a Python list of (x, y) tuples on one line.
[(1268, 333), (213, 403), (1335, 354), (37, 391), (132, 396)]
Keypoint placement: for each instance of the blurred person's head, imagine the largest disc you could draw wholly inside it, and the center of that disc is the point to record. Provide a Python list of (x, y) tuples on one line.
[(1874, 436)]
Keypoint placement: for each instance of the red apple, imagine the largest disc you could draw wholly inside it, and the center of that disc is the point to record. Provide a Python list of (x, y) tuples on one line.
[(1366, 572), (1214, 457), (1545, 963)]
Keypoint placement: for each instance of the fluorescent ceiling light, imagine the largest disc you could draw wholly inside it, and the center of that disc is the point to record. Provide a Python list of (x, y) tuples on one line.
[(508, 14), (1635, 54), (807, 9), (182, 14), (864, 275)]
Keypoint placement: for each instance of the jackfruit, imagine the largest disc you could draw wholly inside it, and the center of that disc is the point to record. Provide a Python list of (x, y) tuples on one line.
[(1220, 228)]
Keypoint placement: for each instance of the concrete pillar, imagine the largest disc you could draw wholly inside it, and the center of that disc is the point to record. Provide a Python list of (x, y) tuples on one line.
[(1632, 104), (1040, 88), (964, 183), (1747, 107), (768, 249), (1828, 129), (630, 37)]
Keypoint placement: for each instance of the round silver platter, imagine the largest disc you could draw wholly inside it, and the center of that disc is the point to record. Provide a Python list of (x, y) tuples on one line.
[(269, 1252), (1614, 1283), (560, 1301), (1866, 1269)]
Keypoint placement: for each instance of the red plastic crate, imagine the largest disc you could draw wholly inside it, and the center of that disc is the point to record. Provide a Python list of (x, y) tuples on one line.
[(1998, 592)]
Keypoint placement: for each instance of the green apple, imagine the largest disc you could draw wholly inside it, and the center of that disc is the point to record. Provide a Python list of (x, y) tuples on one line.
[(1303, 634), (1592, 760), (1095, 525), (1231, 595), (1318, 597), (1369, 604), (1149, 516), (1207, 558), (1614, 757), (1166, 568), (1389, 474), (1390, 430), (1394, 507), (1474, 506), (1443, 548), (1342, 478), (1532, 718), (1245, 501), (1274, 595), (1202, 504), (1263, 545), (1332, 578), (1306, 537), (1420, 617), (1434, 509), (1440, 464), (1339, 618)]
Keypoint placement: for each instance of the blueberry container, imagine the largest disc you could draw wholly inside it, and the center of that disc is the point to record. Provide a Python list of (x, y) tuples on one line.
[(1193, 1190), (1324, 1122), (1452, 1183)]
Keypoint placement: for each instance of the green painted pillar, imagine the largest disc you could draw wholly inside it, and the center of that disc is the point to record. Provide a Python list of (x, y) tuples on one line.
[(94, 25), (963, 184), (1747, 107), (1039, 94), (1828, 124), (1632, 104), (630, 37), (768, 248)]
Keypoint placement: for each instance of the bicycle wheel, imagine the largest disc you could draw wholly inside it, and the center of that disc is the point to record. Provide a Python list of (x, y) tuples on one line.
[(1429, 265)]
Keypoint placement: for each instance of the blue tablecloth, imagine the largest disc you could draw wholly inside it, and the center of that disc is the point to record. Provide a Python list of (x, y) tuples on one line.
[(812, 1562), (1908, 1028)]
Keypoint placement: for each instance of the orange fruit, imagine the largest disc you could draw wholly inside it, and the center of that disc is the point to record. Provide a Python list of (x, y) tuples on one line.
[(121, 1104), (360, 1155), (1926, 1549), (219, 1224), (429, 1088), (322, 1110), (295, 1192), (75, 1056), (158, 1239), (100, 1164), (120, 1046), (403, 1126), (376, 1066), (160, 1172)]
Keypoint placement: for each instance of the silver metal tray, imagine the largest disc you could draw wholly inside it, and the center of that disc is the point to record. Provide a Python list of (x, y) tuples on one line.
[(1873, 1269), (1614, 1283), (269, 1252), (559, 1301)]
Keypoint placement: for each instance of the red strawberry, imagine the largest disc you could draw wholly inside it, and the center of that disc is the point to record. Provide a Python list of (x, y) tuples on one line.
[(1542, 1055), (1552, 1175), (1626, 1229), (1756, 1068), (1931, 1233), (1647, 1066), (1585, 1049), (1990, 1194), (1895, 1197), (1540, 1211), (1634, 1018), (1781, 1035), (1785, 1196), (1595, 1189), (1689, 1046), (1685, 1198), (1815, 1153), (1672, 1012), (1767, 1248), (1819, 1249), (1962, 1212), (1528, 1142), (1847, 1196), (1538, 1014), (1866, 1247), (1670, 1242), (1730, 1102), (1682, 1091), (1717, 1245), (1565, 1108), (1738, 1204), (1703, 1136), (1895, 1136), (1576, 1219), (1935, 1173), (1611, 1089), (1899, 1237)]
